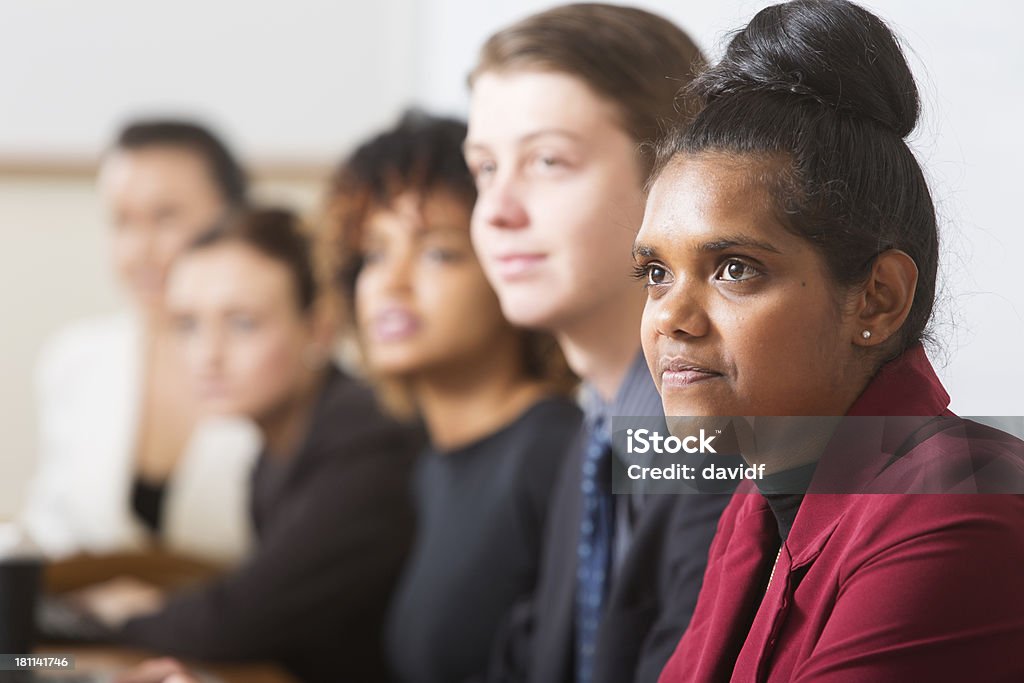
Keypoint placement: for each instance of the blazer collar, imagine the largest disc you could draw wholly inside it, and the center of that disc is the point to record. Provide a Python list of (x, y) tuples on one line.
[(906, 385), (905, 390)]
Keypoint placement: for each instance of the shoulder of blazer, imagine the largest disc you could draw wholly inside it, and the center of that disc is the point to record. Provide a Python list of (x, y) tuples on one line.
[(349, 424)]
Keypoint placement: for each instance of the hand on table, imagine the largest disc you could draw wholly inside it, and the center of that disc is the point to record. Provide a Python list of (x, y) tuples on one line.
[(162, 670), (118, 600)]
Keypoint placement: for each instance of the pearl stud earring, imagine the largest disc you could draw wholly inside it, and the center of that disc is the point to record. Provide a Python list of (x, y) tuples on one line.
[(866, 334)]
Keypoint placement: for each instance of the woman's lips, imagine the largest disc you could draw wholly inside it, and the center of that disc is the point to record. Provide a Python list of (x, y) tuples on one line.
[(681, 372), (683, 378), (394, 325), (516, 266), (214, 388)]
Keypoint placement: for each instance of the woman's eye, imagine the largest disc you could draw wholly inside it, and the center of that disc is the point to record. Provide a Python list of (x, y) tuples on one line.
[(185, 325), (548, 161), (651, 274), (372, 256), (656, 275), (243, 323), (483, 168), (737, 271), (441, 255), (166, 216)]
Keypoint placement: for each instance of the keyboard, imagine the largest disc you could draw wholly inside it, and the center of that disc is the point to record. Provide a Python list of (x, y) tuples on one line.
[(58, 620)]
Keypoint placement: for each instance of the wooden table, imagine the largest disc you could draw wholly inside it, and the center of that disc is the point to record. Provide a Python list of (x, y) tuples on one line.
[(161, 569), (107, 659), (154, 566)]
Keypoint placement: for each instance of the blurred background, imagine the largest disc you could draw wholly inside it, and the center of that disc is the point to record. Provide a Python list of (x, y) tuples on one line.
[(291, 86)]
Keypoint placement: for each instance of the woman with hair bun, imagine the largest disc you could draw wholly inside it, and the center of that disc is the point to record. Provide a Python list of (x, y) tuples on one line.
[(789, 250)]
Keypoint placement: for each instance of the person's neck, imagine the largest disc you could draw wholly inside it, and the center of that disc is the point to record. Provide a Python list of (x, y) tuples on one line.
[(601, 347), (284, 430), (463, 404)]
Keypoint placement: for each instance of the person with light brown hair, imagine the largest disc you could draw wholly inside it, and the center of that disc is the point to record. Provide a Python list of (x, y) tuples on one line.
[(494, 397), (562, 105)]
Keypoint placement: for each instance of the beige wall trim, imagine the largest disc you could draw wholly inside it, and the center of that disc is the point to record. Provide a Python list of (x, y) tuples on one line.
[(81, 167)]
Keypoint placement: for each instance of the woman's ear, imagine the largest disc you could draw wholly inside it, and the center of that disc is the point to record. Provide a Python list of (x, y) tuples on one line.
[(886, 298)]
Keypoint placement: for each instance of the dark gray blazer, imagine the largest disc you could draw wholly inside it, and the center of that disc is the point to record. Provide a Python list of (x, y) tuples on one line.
[(334, 524), (654, 589)]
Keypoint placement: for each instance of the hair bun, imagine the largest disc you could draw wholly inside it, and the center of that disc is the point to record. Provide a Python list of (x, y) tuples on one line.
[(830, 51)]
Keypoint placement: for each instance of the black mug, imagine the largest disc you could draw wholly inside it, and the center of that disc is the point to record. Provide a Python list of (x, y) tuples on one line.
[(20, 581)]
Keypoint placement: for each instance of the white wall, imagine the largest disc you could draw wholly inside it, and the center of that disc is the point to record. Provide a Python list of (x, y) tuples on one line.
[(294, 82), (301, 81), (288, 80)]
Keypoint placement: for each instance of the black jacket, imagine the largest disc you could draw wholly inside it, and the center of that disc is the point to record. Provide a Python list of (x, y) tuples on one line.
[(333, 524), (649, 604)]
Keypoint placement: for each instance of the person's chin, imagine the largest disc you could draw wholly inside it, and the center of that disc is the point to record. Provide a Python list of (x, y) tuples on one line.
[(688, 410), (395, 364), (531, 307), (693, 405), (221, 406), (222, 409)]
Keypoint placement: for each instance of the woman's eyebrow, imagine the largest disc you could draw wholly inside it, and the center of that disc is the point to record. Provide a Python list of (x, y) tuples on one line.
[(550, 132), (733, 241), (469, 146), (641, 250), (426, 234)]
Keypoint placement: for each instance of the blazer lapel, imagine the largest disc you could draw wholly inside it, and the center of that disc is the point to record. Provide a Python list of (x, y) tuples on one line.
[(733, 594)]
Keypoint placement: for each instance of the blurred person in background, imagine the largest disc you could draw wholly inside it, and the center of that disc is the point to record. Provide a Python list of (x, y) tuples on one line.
[(494, 398), (121, 460), (330, 500), (561, 105)]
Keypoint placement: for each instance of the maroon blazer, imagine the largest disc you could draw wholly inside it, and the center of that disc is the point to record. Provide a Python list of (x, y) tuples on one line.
[(871, 587)]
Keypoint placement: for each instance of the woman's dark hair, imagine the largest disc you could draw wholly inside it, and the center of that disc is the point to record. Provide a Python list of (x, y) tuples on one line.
[(275, 233), (420, 155), (821, 91), (225, 170)]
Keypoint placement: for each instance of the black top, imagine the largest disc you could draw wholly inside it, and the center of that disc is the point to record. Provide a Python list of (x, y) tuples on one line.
[(784, 491), (333, 525), (481, 514), (148, 501)]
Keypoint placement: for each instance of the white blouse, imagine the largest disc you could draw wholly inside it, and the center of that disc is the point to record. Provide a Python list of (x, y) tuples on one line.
[(88, 391)]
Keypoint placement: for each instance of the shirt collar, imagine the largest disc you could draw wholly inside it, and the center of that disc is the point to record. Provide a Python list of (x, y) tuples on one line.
[(636, 396), (906, 385)]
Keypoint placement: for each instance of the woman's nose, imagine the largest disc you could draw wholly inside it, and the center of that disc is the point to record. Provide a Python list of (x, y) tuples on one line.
[(682, 312), (395, 270)]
